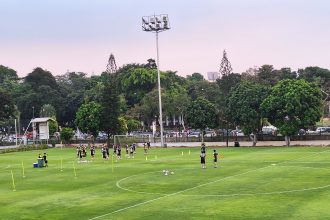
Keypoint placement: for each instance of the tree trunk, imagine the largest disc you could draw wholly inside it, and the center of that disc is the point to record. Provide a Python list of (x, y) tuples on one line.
[(287, 140), (182, 122), (254, 140)]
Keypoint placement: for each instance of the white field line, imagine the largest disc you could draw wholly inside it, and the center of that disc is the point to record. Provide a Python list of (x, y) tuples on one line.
[(262, 193)]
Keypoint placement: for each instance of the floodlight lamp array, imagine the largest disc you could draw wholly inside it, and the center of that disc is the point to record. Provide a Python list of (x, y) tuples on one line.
[(155, 23)]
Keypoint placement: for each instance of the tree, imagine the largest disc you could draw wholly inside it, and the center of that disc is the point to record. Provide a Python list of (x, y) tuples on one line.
[(136, 82), (123, 125), (72, 89), (243, 106), (110, 110), (47, 110), (39, 77), (132, 124), (195, 77), (225, 66), (291, 105), (8, 78), (201, 114), (6, 105), (66, 134), (88, 118), (227, 82)]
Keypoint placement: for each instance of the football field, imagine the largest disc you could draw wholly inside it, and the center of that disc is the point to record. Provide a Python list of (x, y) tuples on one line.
[(249, 183)]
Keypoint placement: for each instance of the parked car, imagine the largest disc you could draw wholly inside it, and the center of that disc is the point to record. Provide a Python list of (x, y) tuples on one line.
[(269, 130), (210, 134), (237, 133), (194, 134), (322, 130)]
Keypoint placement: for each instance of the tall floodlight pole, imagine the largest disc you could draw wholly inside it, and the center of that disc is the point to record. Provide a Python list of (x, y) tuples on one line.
[(156, 24)]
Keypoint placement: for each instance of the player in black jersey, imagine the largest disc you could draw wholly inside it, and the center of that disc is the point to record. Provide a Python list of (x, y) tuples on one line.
[(215, 158), (203, 155)]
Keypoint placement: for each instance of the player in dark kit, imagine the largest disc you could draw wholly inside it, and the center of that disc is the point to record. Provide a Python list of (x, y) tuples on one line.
[(203, 155), (92, 149), (45, 160), (203, 148), (215, 158)]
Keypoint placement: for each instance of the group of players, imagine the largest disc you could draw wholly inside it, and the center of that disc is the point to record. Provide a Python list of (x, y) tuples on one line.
[(105, 152), (131, 150), (203, 156)]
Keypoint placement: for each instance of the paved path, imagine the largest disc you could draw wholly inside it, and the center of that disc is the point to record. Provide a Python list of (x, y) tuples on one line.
[(248, 143), (230, 144)]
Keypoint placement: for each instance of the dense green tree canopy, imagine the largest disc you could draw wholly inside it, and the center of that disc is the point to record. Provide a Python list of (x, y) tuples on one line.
[(88, 118), (110, 104), (6, 105), (243, 106), (201, 114), (293, 104)]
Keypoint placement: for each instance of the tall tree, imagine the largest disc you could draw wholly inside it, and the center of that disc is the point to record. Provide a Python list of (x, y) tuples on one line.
[(291, 105), (243, 107), (110, 108), (225, 65)]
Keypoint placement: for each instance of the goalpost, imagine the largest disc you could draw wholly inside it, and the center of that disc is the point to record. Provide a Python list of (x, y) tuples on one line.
[(130, 139)]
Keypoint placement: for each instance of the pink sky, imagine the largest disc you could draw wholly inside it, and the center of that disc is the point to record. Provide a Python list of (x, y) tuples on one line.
[(80, 35)]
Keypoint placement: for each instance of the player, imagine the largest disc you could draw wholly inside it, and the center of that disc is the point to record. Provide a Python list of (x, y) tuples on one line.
[(92, 149), (45, 160), (203, 155), (203, 148), (131, 152), (215, 158), (127, 148), (148, 144), (104, 152), (145, 148)]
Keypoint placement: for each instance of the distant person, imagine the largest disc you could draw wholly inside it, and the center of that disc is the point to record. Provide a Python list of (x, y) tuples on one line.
[(215, 158), (203, 148), (148, 144), (92, 149), (203, 155), (119, 152), (131, 152), (145, 148), (104, 153), (127, 150), (134, 147), (45, 160)]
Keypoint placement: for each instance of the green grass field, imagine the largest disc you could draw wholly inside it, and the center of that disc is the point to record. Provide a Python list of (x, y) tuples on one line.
[(250, 183)]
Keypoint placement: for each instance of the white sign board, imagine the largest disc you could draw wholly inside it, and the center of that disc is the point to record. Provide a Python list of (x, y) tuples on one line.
[(43, 131)]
